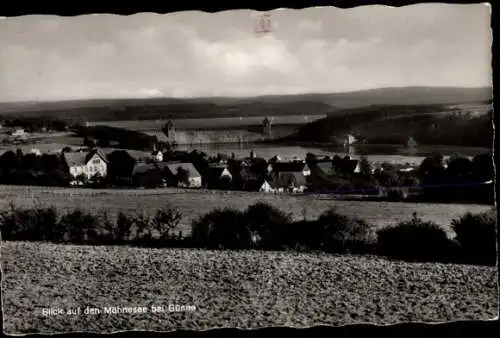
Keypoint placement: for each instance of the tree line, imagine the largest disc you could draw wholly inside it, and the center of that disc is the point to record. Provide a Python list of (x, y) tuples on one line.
[(32, 124), (262, 227)]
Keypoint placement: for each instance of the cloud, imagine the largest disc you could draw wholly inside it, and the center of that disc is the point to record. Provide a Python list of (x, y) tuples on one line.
[(150, 92), (308, 25), (190, 54)]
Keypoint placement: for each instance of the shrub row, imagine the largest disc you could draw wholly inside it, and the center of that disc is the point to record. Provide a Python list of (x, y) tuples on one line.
[(262, 226), (81, 227), (472, 239)]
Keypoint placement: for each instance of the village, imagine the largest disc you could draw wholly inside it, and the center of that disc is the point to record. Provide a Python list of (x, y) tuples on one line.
[(98, 165)]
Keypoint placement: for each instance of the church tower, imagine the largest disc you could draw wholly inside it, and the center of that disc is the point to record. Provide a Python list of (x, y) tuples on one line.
[(267, 127), (169, 130)]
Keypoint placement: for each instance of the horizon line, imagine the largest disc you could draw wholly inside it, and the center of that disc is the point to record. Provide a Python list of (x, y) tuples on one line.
[(245, 96)]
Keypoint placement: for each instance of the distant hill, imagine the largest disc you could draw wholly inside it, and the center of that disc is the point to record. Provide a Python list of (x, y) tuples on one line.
[(461, 125), (273, 105)]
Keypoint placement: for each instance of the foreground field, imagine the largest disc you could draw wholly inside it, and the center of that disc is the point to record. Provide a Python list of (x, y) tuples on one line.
[(231, 289), (193, 204)]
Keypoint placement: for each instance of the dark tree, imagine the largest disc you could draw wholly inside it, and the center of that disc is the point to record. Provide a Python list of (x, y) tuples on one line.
[(259, 168), (182, 175), (432, 170), (9, 161), (224, 183), (120, 167), (31, 162), (459, 168), (50, 162), (365, 166), (482, 167)]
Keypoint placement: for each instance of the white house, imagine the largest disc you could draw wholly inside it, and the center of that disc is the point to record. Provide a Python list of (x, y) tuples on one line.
[(18, 132), (87, 163), (157, 156), (357, 169), (224, 172), (37, 152), (266, 187)]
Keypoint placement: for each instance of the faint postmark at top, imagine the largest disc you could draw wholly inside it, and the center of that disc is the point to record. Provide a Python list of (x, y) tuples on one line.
[(262, 23)]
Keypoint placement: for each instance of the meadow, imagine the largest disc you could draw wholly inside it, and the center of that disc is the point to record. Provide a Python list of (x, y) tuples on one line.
[(245, 289), (193, 203)]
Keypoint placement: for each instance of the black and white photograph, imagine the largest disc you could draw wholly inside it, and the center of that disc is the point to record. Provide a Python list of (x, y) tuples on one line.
[(247, 169)]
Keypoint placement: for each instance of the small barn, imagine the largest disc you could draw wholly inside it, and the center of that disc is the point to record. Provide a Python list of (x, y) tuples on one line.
[(184, 175)]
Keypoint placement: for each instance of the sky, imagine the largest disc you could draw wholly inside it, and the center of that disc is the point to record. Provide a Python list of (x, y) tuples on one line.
[(196, 54)]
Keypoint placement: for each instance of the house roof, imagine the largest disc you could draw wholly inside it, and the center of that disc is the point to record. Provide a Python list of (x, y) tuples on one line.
[(143, 167), (289, 166), (285, 179), (345, 165), (76, 159), (135, 154), (189, 167), (326, 168)]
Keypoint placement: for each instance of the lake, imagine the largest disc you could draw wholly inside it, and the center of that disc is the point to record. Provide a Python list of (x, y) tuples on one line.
[(374, 153), (210, 123)]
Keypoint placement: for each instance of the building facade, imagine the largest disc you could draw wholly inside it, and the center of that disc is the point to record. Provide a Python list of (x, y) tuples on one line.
[(87, 164)]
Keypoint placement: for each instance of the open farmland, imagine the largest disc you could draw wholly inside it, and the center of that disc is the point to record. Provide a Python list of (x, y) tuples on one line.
[(193, 204), (246, 289)]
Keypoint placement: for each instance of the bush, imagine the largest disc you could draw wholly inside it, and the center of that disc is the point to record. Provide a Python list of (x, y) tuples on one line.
[(222, 229), (110, 233), (82, 227), (417, 240), (166, 221), (303, 235), (342, 234), (47, 225), (142, 225), (16, 224), (476, 235), (38, 224), (266, 224), (124, 225)]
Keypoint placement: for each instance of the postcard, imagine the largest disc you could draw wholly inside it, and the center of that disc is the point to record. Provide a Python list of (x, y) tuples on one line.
[(245, 169)]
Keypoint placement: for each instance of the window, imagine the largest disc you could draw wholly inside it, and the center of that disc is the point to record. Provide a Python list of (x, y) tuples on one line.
[(96, 161)]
